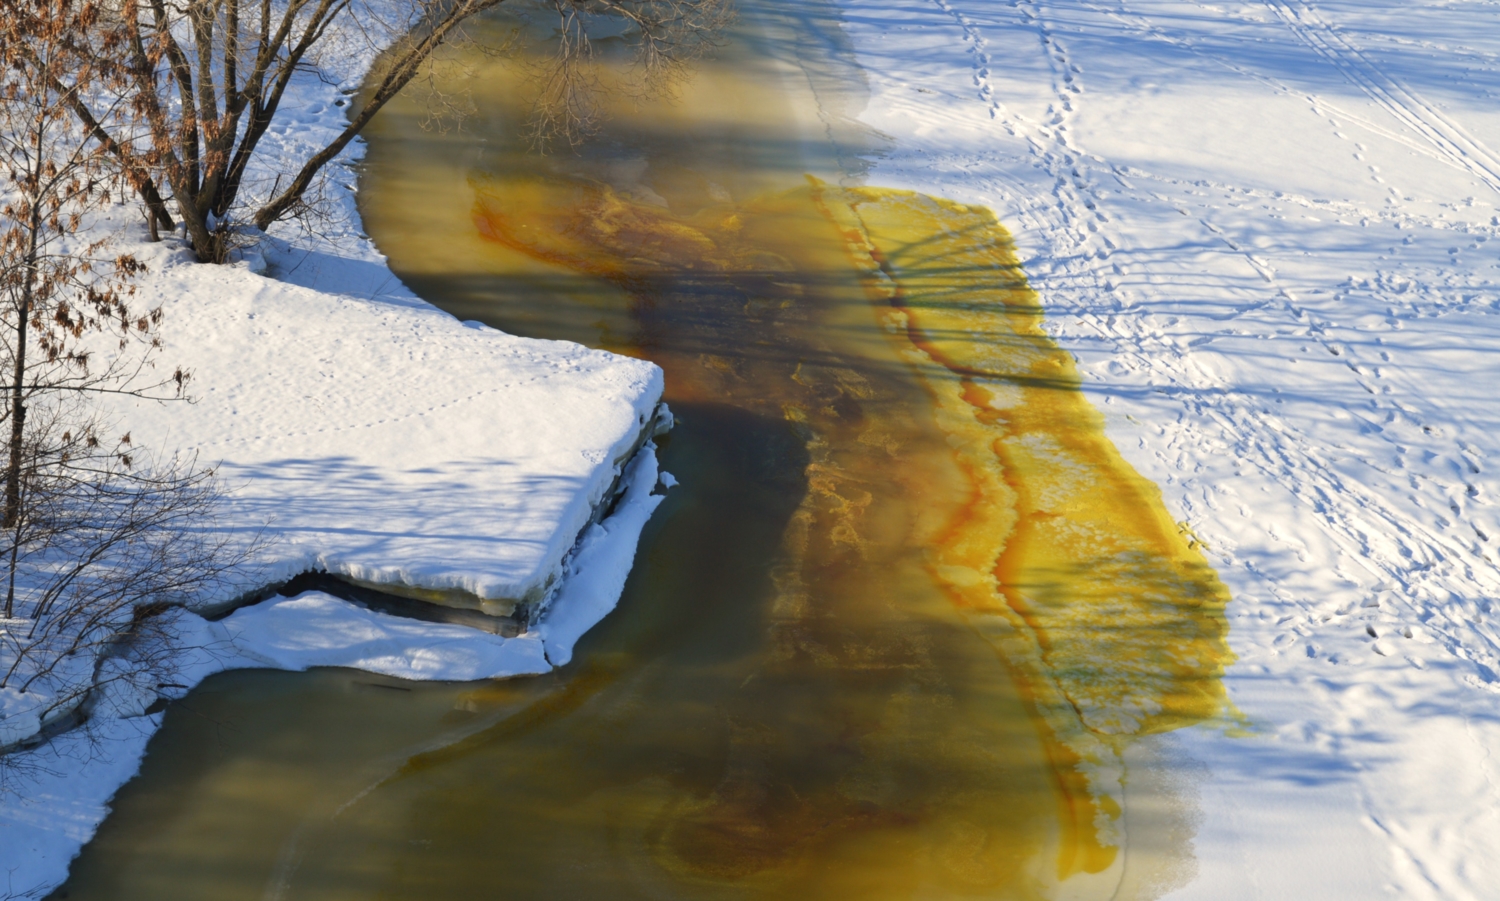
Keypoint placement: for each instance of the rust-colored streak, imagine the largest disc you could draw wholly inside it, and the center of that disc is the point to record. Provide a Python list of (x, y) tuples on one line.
[(1116, 623), (1058, 553)]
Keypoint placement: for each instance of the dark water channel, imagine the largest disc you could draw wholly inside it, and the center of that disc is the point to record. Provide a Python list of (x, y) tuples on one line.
[(905, 630)]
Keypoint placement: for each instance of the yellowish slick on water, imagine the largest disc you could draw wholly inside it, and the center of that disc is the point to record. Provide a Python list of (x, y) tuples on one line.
[(1026, 517)]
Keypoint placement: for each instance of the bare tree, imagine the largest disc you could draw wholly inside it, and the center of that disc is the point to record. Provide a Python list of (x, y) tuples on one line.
[(96, 540), (669, 36), (206, 78), (54, 288)]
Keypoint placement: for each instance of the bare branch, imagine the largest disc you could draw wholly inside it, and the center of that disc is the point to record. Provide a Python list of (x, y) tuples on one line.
[(203, 81)]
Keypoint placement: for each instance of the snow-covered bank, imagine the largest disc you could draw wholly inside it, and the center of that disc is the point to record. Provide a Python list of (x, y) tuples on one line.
[(385, 441), (359, 431), (1266, 231), (59, 792)]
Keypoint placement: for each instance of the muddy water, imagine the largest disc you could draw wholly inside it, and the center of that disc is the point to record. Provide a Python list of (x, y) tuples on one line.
[(905, 630)]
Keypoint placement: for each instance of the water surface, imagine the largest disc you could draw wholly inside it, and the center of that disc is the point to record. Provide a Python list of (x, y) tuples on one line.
[(903, 631)]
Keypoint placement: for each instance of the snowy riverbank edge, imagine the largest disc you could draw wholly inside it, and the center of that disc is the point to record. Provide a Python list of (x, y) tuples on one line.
[(61, 795), (1266, 229)]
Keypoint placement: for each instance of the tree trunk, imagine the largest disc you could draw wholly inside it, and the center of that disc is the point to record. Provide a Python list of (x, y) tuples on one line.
[(12, 516), (18, 391), (205, 245)]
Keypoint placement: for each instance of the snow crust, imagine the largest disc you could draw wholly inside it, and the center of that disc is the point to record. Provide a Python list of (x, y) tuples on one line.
[(315, 629), (1267, 229), (597, 571)]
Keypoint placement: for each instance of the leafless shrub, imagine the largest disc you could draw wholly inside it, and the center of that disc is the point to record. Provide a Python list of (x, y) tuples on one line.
[(104, 545)]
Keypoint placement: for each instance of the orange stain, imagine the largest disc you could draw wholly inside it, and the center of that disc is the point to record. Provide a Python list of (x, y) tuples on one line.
[(1109, 619)]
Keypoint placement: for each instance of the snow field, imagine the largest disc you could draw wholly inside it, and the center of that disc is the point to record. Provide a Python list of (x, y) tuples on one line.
[(1263, 228)]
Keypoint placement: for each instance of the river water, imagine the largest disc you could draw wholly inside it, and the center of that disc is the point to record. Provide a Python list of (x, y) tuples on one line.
[(909, 628)]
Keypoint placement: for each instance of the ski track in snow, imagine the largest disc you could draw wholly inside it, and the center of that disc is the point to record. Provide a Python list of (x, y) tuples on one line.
[(1353, 522), (1401, 102)]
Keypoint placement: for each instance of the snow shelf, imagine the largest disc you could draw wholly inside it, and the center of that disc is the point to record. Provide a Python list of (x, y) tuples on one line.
[(59, 793), (381, 440)]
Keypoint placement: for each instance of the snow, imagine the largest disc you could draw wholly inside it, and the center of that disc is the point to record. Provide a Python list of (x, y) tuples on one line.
[(363, 432), (58, 793), (319, 630), (66, 799), (381, 439), (597, 572), (1264, 229)]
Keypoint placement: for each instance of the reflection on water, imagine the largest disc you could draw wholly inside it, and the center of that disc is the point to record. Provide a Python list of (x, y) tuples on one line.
[(895, 636)]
